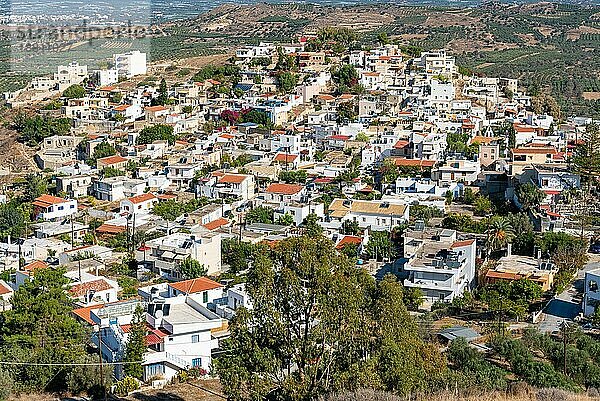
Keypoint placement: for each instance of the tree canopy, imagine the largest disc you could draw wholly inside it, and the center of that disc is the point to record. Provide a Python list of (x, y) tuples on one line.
[(319, 324), (159, 132)]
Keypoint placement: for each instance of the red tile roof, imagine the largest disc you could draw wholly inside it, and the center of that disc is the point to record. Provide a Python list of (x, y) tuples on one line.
[(401, 144), (195, 285), (535, 150), (86, 313), (285, 158), (97, 285), (141, 198), (110, 229), (460, 244), (213, 225), (47, 200), (112, 159), (414, 162), (503, 275), (36, 264), (233, 178), (348, 239), (5, 289), (156, 108), (339, 137), (284, 189), (323, 180)]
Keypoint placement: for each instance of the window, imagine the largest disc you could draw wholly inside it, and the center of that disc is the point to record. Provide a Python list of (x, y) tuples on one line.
[(196, 362), (155, 369), (205, 296), (61, 208), (72, 207), (195, 338)]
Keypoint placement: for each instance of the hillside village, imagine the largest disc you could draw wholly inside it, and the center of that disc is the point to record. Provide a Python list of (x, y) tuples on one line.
[(153, 193)]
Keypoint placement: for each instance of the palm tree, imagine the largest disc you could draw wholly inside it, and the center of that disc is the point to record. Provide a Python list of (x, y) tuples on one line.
[(501, 233)]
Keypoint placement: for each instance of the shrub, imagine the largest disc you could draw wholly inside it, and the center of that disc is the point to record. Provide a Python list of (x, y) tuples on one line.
[(126, 386)]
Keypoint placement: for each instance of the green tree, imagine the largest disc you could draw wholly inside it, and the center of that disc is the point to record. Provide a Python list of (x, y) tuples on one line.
[(319, 324), (546, 104), (586, 158), (380, 246), (136, 345), (482, 206), (501, 234), (285, 220), (389, 171), (350, 227), (362, 137), (74, 92), (522, 244), (529, 196), (477, 371), (311, 226), (293, 176), (286, 82), (191, 268), (163, 94), (237, 254), (103, 149), (344, 77), (422, 212), (260, 214), (40, 329), (35, 185), (33, 129), (511, 134), (108, 172), (468, 196), (13, 218), (159, 132), (347, 112), (382, 38)]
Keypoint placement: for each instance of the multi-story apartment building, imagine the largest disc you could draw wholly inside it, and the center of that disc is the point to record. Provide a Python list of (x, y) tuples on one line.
[(442, 266), (165, 254)]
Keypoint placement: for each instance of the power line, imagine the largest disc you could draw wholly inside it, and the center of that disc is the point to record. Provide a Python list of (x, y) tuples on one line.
[(68, 364)]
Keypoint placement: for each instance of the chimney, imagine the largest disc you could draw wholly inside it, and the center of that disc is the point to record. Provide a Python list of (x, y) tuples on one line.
[(509, 250)]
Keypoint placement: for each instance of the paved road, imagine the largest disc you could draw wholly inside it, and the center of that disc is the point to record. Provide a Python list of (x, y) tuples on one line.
[(567, 305)]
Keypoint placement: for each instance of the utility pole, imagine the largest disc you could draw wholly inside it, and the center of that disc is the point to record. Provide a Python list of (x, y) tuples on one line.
[(100, 356), (72, 233)]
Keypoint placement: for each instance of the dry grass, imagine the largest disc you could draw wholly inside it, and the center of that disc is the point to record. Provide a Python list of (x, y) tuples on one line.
[(517, 392)]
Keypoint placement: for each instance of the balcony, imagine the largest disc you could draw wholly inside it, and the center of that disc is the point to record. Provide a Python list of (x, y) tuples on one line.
[(161, 357)]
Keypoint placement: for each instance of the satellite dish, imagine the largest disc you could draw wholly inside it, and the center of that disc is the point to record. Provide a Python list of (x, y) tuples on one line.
[(158, 314)]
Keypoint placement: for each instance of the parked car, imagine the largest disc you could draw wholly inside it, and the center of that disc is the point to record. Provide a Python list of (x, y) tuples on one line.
[(595, 248)]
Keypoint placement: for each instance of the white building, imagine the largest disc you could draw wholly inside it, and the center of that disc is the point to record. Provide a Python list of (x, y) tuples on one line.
[(236, 297), (220, 186), (457, 171), (164, 254), (138, 204), (48, 207), (180, 334), (71, 74), (130, 64), (439, 264), (116, 188), (591, 292), (106, 77), (376, 215)]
